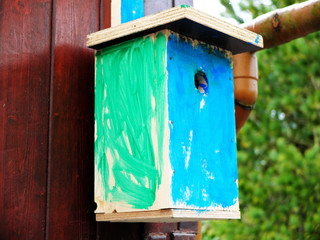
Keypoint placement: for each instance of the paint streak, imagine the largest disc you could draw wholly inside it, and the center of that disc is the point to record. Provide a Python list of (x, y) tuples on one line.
[(129, 113), (131, 10), (207, 179), (257, 39)]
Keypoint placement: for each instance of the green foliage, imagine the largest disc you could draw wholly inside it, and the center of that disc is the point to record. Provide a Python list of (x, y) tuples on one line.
[(278, 148)]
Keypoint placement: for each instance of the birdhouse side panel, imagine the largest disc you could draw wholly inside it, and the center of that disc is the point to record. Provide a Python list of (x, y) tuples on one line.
[(130, 125), (202, 126)]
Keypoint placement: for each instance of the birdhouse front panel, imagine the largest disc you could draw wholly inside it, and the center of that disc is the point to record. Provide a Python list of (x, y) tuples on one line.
[(202, 142), (165, 128)]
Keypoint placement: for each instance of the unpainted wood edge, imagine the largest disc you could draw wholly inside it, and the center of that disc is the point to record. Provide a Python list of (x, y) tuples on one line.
[(137, 215), (167, 215), (224, 27), (197, 214), (134, 26), (171, 15)]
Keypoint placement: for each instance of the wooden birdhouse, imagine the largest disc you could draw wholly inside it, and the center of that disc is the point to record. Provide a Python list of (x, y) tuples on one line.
[(165, 140)]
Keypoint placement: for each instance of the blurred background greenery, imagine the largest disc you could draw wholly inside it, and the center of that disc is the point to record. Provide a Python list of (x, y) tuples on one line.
[(278, 148)]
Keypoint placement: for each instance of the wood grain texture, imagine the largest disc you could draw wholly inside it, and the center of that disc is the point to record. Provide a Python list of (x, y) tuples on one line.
[(167, 215), (105, 13), (24, 84), (70, 190), (189, 22)]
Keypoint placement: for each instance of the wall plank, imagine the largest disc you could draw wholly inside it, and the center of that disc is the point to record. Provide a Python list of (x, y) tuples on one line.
[(24, 92), (70, 189), (105, 14)]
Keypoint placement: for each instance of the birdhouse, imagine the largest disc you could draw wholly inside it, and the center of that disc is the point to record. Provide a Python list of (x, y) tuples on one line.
[(165, 139)]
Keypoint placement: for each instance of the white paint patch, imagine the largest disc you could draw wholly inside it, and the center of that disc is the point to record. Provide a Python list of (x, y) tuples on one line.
[(217, 151), (131, 177), (154, 138), (147, 185), (187, 194), (134, 180), (153, 103), (117, 154), (95, 130), (99, 196), (126, 140), (204, 195), (202, 103), (108, 123), (111, 180), (237, 183), (234, 207), (106, 110), (209, 175), (212, 207), (188, 150)]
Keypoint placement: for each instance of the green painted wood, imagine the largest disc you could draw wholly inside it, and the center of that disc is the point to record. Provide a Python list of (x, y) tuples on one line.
[(126, 94)]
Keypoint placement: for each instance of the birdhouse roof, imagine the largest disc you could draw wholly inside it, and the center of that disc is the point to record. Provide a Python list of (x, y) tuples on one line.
[(184, 20)]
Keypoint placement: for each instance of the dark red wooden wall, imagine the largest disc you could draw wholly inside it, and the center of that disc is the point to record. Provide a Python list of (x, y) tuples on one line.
[(46, 125)]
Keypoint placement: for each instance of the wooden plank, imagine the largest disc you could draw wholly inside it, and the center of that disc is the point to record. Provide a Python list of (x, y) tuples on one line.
[(24, 84), (187, 21), (105, 13), (115, 12), (167, 215), (70, 200)]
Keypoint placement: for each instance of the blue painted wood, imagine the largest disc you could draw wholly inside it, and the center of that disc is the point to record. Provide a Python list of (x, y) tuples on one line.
[(131, 10), (202, 127)]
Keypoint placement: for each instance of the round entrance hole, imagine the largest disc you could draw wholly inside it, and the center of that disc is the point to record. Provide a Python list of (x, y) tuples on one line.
[(201, 81)]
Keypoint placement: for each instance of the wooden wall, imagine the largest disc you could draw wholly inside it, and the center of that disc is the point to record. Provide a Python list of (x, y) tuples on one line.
[(46, 125)]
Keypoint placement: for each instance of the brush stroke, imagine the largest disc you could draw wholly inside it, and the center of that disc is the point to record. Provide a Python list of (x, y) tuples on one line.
[(129, 119), (131, 10)]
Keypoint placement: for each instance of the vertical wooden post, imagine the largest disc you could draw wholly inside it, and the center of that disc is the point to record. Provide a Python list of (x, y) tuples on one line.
[(70, 173), (24, 89)]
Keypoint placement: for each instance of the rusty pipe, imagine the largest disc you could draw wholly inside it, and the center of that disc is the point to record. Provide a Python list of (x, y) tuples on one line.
[(277, 27)]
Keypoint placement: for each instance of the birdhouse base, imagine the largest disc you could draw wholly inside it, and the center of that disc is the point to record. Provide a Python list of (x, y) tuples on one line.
[(167, 215)]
